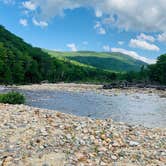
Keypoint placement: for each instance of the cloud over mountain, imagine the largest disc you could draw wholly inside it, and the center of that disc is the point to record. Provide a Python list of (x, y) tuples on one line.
[(134, 55), (125, 14), (136, 43), (72, 47)]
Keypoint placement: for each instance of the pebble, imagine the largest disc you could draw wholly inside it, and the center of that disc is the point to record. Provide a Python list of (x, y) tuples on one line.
[(43, 132), (133, 143), (27, 136), (113, 157)]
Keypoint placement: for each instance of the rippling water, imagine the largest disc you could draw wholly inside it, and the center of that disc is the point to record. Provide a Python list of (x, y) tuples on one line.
[(141, 109), (144, 109)]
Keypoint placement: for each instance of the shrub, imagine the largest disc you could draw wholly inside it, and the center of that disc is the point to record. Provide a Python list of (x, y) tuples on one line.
[(12, 98)]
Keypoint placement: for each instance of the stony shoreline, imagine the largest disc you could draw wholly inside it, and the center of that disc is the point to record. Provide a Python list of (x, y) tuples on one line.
[(31, 136), (73, 87)]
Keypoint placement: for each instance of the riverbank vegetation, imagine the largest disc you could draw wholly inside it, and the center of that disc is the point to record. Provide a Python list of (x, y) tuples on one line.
[(20, 63), (152, 74), (12, 98)]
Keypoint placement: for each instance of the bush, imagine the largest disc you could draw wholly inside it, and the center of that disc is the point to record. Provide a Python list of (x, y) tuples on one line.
[(12, 98)]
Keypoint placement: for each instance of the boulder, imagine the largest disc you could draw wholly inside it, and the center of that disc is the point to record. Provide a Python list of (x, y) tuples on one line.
[(44, 82)]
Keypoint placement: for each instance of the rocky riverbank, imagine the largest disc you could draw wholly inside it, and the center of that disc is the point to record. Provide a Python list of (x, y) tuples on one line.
[(31, 136), (72, 87)]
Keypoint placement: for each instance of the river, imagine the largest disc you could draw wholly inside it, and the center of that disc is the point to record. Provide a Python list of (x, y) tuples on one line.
[(137, 108), (147, 109)]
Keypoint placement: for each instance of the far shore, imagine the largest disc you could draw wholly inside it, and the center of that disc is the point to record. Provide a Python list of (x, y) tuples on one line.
[(98, 88)]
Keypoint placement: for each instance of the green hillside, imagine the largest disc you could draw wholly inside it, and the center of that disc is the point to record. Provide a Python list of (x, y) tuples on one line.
[(108, 61), (21, 63)]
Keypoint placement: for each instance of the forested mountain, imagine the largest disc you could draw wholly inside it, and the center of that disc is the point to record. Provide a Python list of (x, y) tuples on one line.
[(103, 60), (21, 63)]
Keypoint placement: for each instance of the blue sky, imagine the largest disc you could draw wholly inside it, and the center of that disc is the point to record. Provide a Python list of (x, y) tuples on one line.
[(135, 27)]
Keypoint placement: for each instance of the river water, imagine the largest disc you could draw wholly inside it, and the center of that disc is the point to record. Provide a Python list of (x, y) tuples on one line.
[(140, 109), (137, 108)]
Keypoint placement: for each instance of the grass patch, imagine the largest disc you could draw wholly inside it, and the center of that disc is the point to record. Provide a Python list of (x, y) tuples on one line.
[(12, 98)]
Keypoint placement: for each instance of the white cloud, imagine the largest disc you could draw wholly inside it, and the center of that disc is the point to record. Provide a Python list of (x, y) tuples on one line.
[(72, 46), (98, 13), (134, 55), (29, 5), (145, 37), (46, 9), (120, 42), (23, 22), (97, 25), (143, 45), (130, 14), (85, 42), (99, 28), (8, 1), (106, 48), (162, 37), (101, 31), (41, 24), (57, 50)]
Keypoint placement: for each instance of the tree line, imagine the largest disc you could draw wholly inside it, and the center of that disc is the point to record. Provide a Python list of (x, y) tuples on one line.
[(152, 74), (20, 63)]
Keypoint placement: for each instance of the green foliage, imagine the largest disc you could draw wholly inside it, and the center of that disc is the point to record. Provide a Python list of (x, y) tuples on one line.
[(20, 63), (152, 74), (12, 98), (102, 60), (157, 72)]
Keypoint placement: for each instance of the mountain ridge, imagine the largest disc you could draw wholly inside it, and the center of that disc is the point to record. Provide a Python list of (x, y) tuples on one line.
[(21, 63), (112, 61)]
